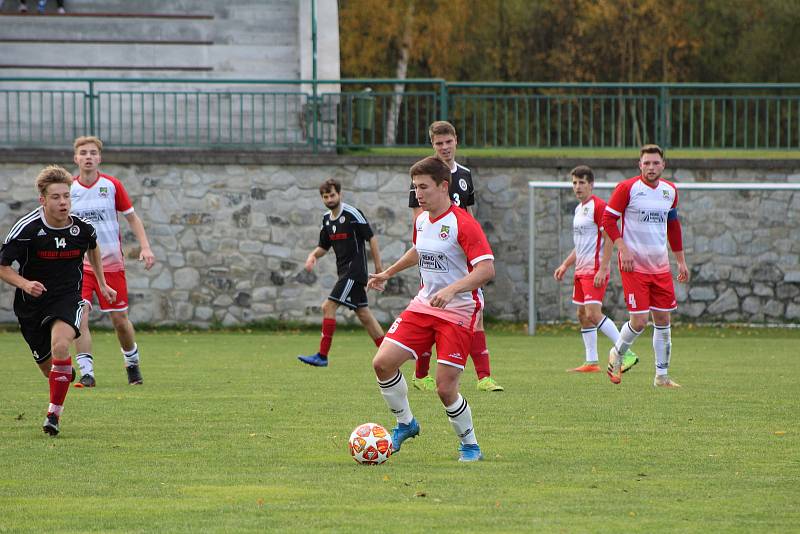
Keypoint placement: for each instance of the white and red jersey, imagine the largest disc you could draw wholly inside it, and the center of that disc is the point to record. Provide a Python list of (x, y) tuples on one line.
[(99, 205), (587, 234), (448, 248), (644, 210)]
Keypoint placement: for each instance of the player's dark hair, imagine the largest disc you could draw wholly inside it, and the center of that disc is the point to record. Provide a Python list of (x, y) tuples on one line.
[(330, 183), (583, 172), (441, 128), (433, 167), (85, 140), (651, 149), (52, 174)]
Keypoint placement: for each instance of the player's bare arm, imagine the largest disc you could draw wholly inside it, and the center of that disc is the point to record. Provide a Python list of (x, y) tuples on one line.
[(481, 274), (605, 260), (625, 256), (683, 269), (12, 277), (376, 254), (562, 269), (313, 256), (146, 255), (409, 259), (96, 260)]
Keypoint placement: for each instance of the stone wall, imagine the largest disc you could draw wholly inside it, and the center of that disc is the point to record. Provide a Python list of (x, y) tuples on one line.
[(231, 232)]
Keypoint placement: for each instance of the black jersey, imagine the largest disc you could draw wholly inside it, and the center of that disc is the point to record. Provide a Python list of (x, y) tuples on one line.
[(347, 233), (52, 256), (462, 192)]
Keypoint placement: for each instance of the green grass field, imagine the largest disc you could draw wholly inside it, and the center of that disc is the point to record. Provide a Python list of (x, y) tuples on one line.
[(230, 433), (568, 152)]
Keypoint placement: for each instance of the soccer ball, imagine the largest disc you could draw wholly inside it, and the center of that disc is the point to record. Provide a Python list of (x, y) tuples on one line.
[(370, 444)]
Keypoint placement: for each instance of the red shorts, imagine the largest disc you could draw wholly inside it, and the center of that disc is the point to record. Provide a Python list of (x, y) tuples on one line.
[(646, 292), (115, 280), (418, 332), (584, 291)]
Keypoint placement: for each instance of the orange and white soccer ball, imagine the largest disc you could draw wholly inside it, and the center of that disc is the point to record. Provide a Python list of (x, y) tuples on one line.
[(370, 444)]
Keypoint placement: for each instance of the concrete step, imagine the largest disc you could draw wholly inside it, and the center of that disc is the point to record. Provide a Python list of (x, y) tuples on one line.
[(119, 56), (73, 29)]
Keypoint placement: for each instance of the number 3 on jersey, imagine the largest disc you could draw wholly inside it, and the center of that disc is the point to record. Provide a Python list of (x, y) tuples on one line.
[(457, 199)]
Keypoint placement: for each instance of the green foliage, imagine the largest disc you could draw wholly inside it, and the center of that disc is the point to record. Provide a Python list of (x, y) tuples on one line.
[(230, 433)]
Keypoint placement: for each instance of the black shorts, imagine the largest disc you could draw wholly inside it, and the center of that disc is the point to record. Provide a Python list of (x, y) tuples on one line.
[(350, 293), (36, 324)]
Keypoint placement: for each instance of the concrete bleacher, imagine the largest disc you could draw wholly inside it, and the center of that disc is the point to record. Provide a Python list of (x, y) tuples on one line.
[(178, 42), (148, 38)]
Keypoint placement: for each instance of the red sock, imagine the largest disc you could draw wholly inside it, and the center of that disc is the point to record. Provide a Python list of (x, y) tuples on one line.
[(480, 355), (378, 341), (423, 365), (60, 375), (328, 328)]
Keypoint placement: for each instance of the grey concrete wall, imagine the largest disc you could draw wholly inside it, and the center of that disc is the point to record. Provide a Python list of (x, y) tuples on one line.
[(246, 39), (232, 230)]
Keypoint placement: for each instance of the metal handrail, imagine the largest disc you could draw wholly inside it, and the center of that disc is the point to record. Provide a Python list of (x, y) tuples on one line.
[(339, 113)]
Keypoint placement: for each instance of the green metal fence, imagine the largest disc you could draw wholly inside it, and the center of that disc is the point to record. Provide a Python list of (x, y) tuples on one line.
[(331, 114)]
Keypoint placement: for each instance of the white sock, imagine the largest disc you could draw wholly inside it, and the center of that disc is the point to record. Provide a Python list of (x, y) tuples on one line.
[(608, 328), (590, 343), (626, 338), (662, 345), (460, 417), (132, 356), (56, 409), (395, 393), (85, 363)]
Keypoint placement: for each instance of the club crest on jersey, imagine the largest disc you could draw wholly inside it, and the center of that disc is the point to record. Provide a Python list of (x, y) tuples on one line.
[(444, 232), (74, 230), (586, 210), (103, 192), (462, 183), (341, 219), (665, 193)]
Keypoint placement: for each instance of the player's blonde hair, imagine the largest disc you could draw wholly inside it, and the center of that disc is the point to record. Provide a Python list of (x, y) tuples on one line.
[(441, 128), (433, 167), (52, 174), (85, 140), (651, 149)]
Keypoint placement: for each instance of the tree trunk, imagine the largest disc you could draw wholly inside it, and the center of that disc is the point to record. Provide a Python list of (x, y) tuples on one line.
[(402, 68)]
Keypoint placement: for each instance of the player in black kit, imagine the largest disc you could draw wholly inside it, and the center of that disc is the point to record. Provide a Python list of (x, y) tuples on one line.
[(346, 230), (49, 244)]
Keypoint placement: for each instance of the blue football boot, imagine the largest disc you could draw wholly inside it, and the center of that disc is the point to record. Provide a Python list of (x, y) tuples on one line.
[(315, 359), (402, 432), (469, 453)]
